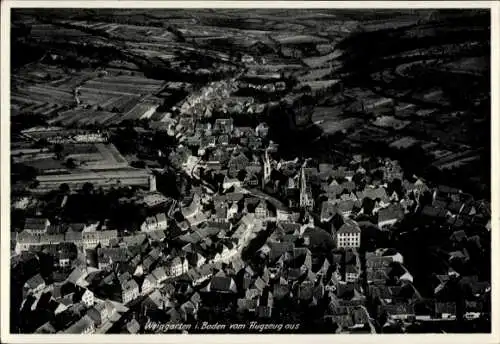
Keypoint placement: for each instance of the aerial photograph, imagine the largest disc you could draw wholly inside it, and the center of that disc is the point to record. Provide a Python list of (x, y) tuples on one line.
[(250, 171)]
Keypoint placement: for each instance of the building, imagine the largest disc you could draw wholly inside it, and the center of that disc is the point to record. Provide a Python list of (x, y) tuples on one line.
[(35, 284), (223, 126), (152, 183), (237, 163), (349, 235), (104, 178), (36, 226), (387, 217), (99, 313), (266, 169), (83, 326), (306, 199), (149, 284), (155, 223), (261, 211), (178, 266), (92, 239), (107, 256), (88, 298), (351, 273), (130, 291)]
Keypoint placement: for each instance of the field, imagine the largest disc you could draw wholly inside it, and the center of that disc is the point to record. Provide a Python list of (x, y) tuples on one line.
[(331, 120), (87, 157), (322, 61)]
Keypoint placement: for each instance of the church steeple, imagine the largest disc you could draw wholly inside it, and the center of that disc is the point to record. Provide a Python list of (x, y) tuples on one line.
[(267, 169), (306, 200)]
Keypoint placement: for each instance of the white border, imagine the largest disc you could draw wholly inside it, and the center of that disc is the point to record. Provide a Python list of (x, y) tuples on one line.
[(229, 338)]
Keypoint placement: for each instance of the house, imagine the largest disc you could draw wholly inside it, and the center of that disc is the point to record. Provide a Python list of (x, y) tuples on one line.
[(35, 284), (36, 226), (230, 182), (473, 309), (178, 266), (154, 223), (188, 311), (83, 326), (221, 284), (261, 211), (387, 217), (92, 239), (220, 214), (398, 311), (264, 307), (66, 253), (154, 300), (87, 298), (100, 313), (345, 207), (149, 284), (446, 193), (223, 126), (349, 235), (445, 310), (77, 276), (246, 305), (133, 326), (434, 212), (160, 274), (251, 179), (130, 291), (328, 210), (352, 273), (108, 256), (46, 328), (227, 253), (190, 212), (237, 162)]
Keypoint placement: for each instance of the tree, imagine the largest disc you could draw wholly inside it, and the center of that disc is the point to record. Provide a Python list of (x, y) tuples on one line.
[(138, 164), (58, 150), (42, 143), (242, 175), (64, 188), (70, 163), (87, 188)]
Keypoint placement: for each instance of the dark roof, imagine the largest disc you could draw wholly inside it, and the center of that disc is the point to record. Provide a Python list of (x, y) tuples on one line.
[(431, 211), (399, 308), (278, 249), (35, 223), (221, 284), (349, 227), (35, 281), (115, 254), (393, 211), (445, 307)]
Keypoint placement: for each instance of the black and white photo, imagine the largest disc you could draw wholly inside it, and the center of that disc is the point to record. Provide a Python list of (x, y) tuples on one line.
[(249, 171)]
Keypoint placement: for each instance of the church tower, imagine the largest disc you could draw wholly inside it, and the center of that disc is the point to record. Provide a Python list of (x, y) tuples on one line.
[(267, 170), (306, 200), (152, 183)]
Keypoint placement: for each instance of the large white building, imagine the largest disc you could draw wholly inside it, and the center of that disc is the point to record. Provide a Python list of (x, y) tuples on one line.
[(349, 235)]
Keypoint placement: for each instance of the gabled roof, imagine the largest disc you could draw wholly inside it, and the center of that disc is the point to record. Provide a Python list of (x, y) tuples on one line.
[(392, 212), (133, 326), (223, 284), (349, 227), (36, 223), (129, 285), (35, 281)]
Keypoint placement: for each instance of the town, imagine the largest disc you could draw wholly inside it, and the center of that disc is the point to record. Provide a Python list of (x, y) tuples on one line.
[(175, 172)]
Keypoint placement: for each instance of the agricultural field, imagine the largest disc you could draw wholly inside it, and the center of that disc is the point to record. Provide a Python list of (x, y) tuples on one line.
[(86, 157), (322, 61), (332, 120)]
